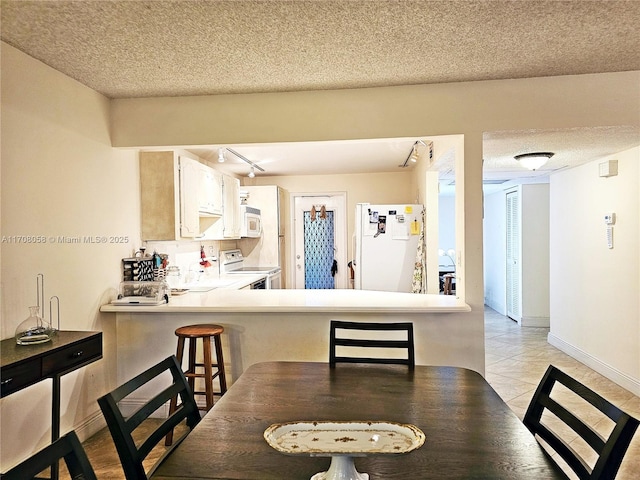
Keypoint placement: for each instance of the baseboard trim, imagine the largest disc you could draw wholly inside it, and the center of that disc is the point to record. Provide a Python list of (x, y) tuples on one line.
[(132, 405), (96, 422), (92, 425), (613, 374)]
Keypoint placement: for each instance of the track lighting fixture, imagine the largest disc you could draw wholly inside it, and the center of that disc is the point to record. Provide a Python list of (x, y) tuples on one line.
[(414, 154), (254, 167), (221, 155), (413, 158)]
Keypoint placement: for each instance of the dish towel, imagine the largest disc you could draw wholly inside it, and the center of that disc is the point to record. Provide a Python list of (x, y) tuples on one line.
[(419, 284)]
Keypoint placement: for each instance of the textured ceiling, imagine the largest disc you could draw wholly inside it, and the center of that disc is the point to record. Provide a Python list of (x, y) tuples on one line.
[(141, 48), (169, 48)]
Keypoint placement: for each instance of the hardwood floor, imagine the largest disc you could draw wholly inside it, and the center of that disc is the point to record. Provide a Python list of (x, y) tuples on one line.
[(516, 359), (104, 458)]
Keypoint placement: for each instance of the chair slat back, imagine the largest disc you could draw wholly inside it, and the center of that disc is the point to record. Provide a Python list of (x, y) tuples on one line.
[(67, 447), (336, 339), (610, 450), (122, 428)]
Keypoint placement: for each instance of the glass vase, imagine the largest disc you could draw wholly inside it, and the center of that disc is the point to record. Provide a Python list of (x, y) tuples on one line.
[(34, 330)]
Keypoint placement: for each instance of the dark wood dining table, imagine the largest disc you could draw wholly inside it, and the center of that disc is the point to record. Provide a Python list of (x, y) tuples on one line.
[(470, 431)]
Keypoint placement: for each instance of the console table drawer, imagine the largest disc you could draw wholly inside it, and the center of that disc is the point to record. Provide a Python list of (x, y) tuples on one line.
[(73, 356), (19, 376)]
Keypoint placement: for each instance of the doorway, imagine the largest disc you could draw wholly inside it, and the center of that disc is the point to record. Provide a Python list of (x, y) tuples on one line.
[(320, 246)]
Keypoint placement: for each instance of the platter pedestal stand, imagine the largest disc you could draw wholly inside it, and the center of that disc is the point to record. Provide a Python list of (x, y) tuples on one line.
[(342, 441), (341, 468)]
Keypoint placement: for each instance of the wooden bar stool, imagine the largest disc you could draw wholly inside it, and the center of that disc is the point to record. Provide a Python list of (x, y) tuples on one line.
[(204, 332), (449, 280), (193, 333)]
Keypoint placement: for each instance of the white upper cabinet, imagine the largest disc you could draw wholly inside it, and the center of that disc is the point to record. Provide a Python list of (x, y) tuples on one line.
[(229, 227), (232, 215), (210, 192)]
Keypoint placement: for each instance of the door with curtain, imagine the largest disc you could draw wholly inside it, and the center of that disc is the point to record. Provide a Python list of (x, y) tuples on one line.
[(319, 268), (320, 246)]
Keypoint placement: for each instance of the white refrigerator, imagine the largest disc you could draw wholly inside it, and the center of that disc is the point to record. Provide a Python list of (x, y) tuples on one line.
[(386, 244)]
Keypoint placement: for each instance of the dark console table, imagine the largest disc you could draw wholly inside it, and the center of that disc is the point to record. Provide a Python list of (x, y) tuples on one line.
[(25, 365)]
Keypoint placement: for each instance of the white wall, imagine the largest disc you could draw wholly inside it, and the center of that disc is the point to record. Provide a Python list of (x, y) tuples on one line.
[(60, 178), (447, 224), (534, 202), (595, 311), (495, 248)]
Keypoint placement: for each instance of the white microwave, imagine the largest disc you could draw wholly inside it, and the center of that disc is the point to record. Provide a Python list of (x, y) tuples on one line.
[(251, 222)]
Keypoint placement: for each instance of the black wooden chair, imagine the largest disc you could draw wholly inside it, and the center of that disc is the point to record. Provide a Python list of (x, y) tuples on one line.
[(67, 447), (610, 450), (122, 429), (338, 337)]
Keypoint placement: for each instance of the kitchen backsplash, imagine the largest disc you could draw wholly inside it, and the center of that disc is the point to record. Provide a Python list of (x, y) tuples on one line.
[(186, 254)]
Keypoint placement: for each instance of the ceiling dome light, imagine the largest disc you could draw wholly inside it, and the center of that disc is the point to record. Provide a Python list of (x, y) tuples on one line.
[(533, 161), (221, 155)]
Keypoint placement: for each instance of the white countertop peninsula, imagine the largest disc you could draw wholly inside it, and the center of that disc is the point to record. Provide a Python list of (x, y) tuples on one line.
[(229, 300), (293, 325)]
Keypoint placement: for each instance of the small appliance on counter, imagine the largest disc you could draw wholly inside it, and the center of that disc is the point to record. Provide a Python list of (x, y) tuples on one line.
[(144, 268), (142, 293)]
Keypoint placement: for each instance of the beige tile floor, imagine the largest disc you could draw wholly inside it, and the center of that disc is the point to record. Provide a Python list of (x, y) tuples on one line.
[(516, 359)]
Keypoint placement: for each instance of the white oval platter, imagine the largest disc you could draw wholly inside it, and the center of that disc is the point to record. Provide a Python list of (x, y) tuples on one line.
[(343, 438)]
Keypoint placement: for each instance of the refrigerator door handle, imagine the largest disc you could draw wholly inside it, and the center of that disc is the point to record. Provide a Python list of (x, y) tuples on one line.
[(353, 249)]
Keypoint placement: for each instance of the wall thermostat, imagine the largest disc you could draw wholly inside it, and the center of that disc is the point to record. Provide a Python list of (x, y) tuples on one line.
[(609, 218)]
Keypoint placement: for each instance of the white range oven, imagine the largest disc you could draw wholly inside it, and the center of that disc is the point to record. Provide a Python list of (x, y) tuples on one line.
[(232, 262)]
